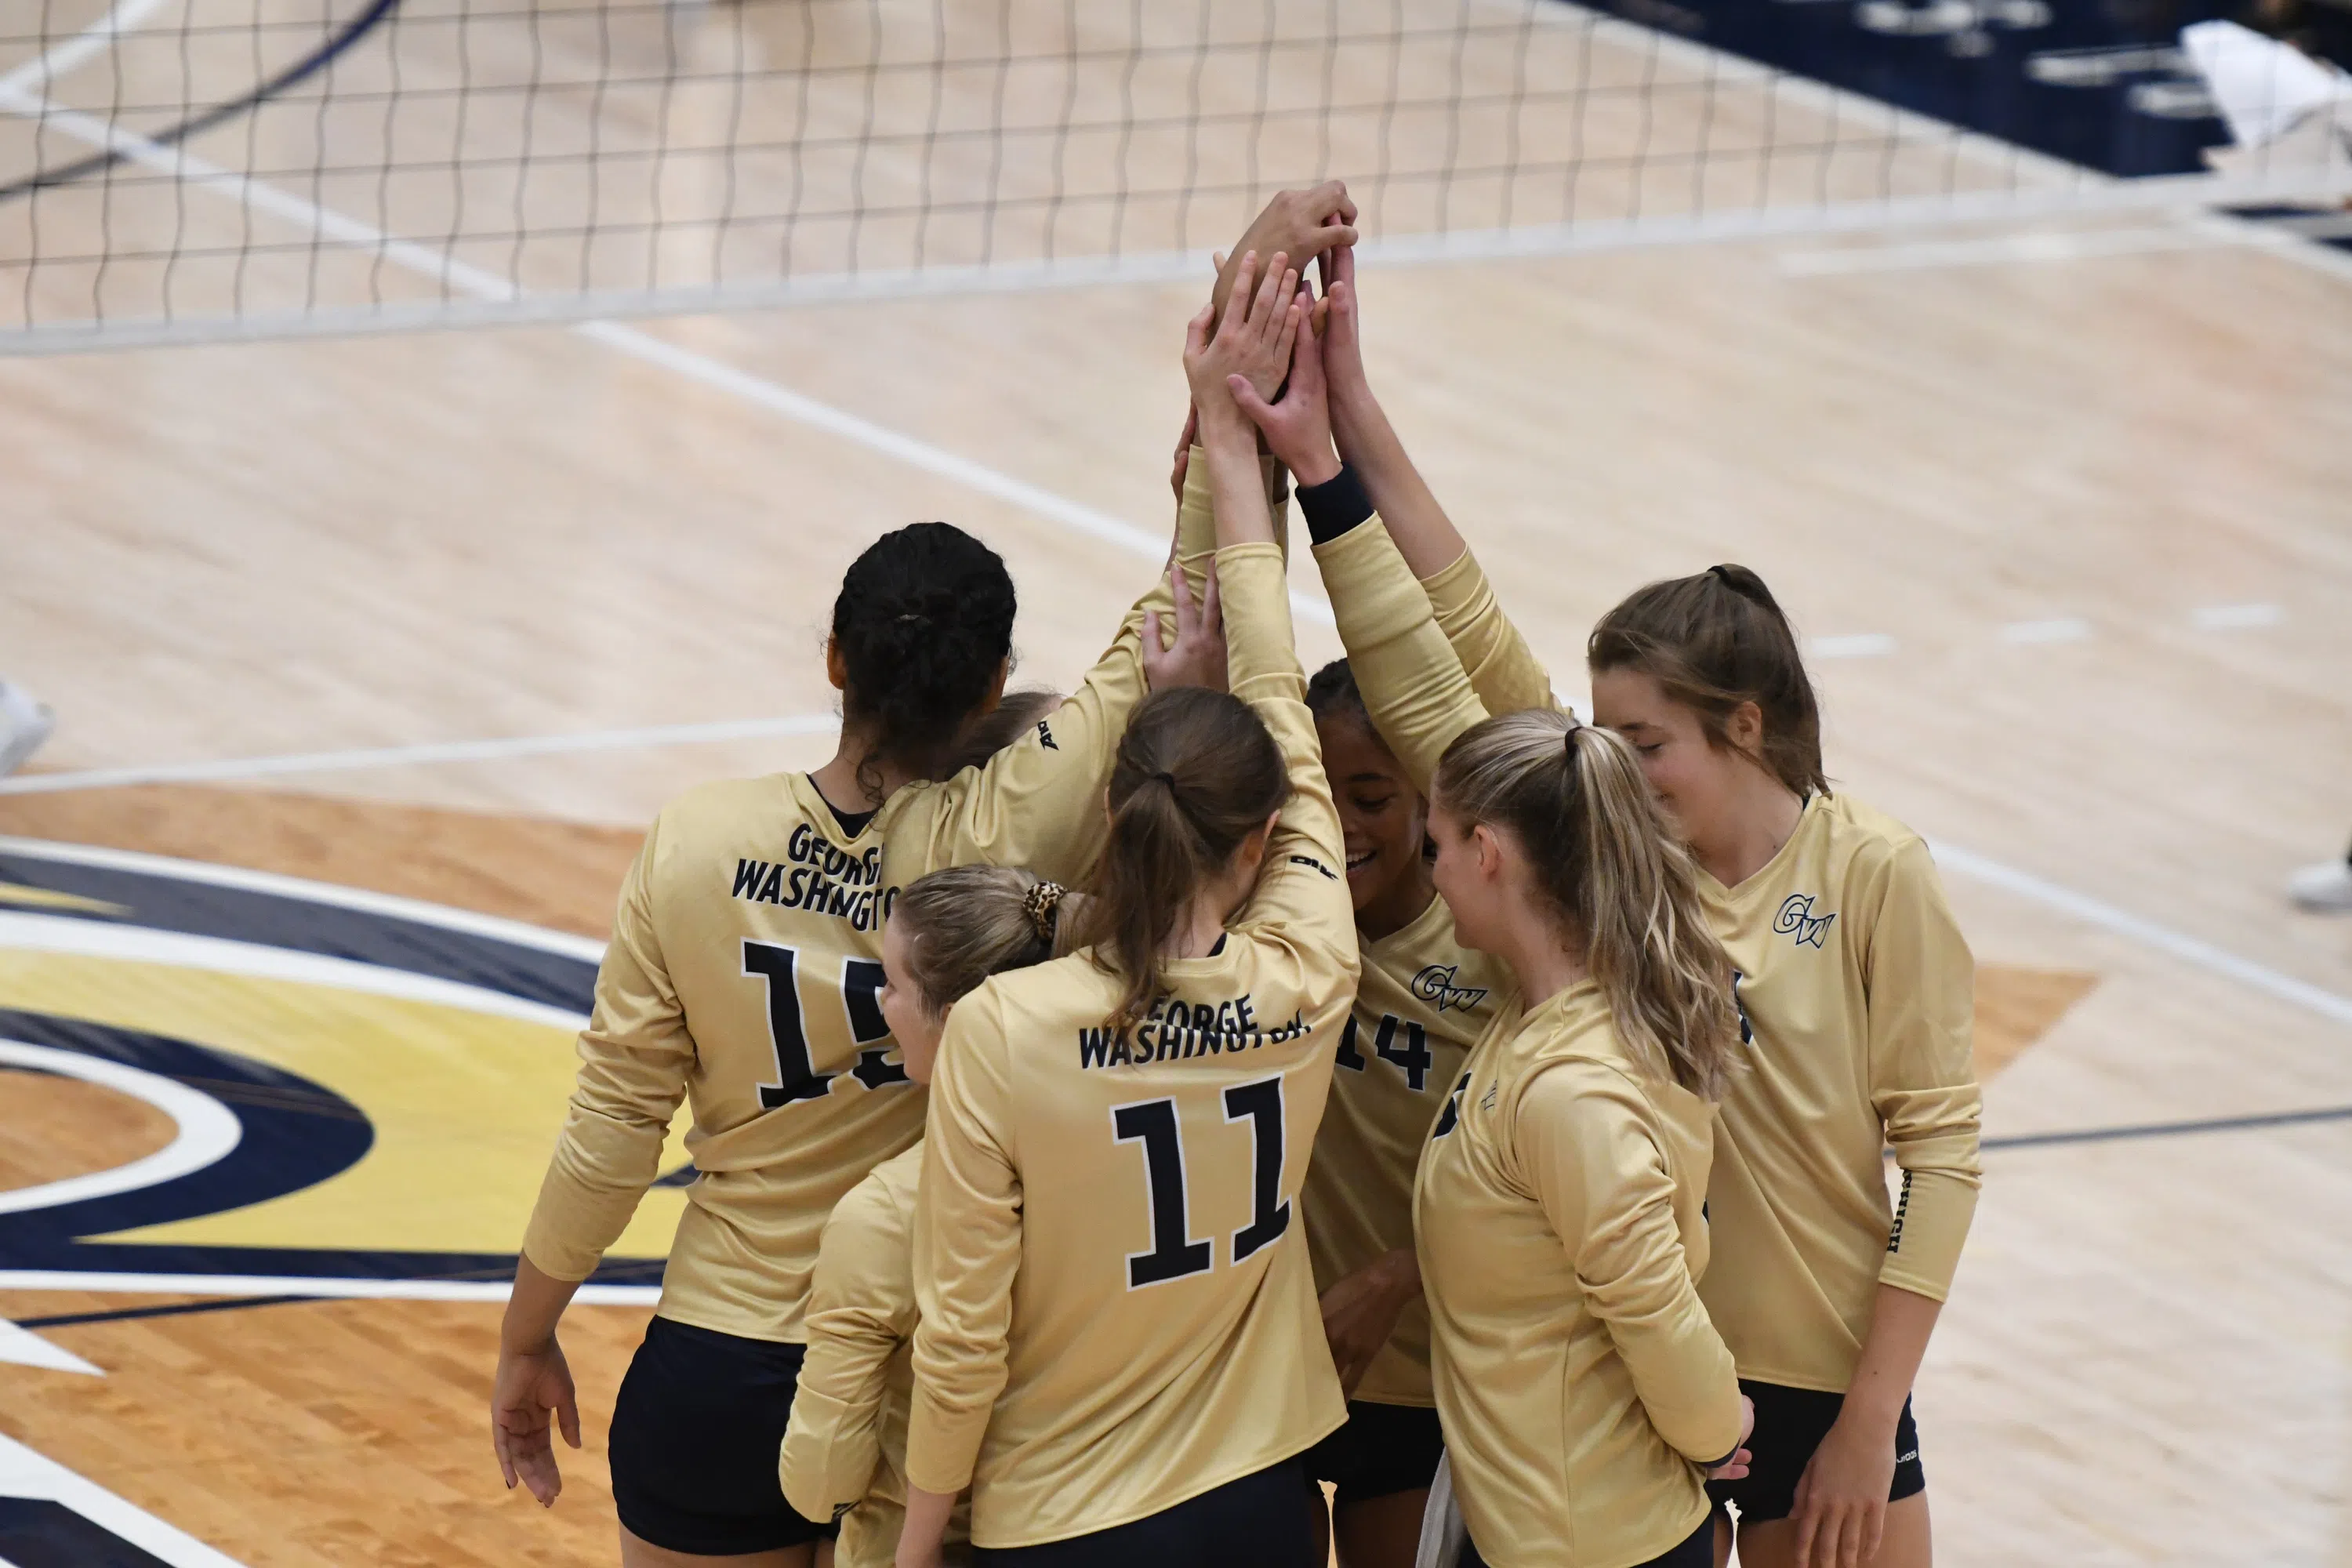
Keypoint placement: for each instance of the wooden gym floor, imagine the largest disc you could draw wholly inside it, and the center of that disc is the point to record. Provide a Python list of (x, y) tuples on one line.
[(2071, 537)]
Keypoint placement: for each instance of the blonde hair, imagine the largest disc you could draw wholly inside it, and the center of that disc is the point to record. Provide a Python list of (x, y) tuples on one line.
[(1574, 799), (968, 923)]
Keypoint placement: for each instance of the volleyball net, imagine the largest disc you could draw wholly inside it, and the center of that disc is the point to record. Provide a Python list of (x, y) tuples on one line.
[(202, 170)]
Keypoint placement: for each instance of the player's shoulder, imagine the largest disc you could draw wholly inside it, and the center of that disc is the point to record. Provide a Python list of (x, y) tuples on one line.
[(886, 1198), (1862, 835), (722, 808)]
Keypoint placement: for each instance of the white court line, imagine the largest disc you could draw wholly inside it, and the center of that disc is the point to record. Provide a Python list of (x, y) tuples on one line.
[(27, 1473), (1853, 645), (2235, 617), (326, 223), (325, 1289), (410, 756), (934, 460), (1999, 250), (2123, 923), (390, 906), (35, 75), (2057, 629)]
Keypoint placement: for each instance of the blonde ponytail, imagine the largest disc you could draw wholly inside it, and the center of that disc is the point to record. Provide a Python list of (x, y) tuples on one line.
[(1648, 944), (1573, 798)]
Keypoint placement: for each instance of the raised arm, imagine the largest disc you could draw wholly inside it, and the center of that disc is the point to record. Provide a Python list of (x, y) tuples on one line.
[(1037, 802), (1303, 886), (1582, 1144), (1502, 669), (861, 1310)]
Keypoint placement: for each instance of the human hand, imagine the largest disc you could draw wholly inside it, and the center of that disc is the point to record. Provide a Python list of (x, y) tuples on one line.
[(1251, 338), (1360, 1312), (1300, 224), (1736, 1467), (1299, 428), (1197, 656), (531, 1386), (1840, 1500), (1343, 343)]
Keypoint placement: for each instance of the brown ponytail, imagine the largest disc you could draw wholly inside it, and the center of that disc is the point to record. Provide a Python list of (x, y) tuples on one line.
[(968, 923), (1573, 798), (1713, 642), (1196, 773)]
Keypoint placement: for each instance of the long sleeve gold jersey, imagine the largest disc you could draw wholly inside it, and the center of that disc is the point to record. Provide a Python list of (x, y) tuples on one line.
[(1856, 991), (1421, 1001), (1557, 1212), (1560, 1211), (741, 975), (1117, 1312), (845, 1452)]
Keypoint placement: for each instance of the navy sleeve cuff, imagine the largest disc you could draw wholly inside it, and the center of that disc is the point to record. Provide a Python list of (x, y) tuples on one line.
[(1335, 506)]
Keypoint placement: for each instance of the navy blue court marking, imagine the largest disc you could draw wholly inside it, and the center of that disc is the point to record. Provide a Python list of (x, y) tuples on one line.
[(2171, 1129), (36, 1533), (297, 1134), (176, 1309), (309, 65), (298, 925)]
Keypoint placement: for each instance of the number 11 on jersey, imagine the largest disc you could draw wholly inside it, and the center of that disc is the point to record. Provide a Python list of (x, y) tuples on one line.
[(1175, 1252)]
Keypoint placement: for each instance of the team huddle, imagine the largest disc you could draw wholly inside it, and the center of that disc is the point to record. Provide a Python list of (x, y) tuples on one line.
[(1123, 1123)]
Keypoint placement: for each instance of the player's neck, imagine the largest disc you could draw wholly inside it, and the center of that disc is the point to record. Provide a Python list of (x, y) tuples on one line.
[(1762, 817), (1543, 960), (844, 781), (1398, 905)]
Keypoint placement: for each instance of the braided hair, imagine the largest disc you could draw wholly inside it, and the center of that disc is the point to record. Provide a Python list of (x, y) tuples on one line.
[(923, 625)]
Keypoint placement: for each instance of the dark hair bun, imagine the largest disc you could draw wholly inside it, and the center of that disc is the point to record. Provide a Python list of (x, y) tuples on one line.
[(923, 622)]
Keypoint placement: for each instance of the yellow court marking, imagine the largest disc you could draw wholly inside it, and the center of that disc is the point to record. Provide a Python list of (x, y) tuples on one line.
[(17, 895), (465, 1105)]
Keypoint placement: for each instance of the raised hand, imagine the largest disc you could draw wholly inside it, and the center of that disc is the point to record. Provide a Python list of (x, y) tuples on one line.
[(1343, 345), (1301, 225), (1197, 656), (1299, 428), (1252, 339)]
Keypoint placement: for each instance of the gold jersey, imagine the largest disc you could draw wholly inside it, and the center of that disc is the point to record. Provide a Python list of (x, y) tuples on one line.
[(1117, 1312), (845, 1452), (741, 975), (1854, 977), (1421, 1001), (1560, 1211)]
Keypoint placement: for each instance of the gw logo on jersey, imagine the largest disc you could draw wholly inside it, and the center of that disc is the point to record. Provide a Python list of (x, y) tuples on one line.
[(1435, 984), (1797, 919)]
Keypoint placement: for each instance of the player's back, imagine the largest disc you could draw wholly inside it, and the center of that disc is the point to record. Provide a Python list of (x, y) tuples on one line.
[(1164, 1293)]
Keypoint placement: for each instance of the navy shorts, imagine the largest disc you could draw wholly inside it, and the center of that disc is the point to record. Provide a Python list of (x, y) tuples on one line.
[(696, 1430), (1789, 1425), (1382, 1450), (1258, 1521)]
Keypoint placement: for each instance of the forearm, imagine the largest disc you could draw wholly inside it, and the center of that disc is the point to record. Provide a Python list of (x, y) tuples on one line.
[(926, 1527), (534, 1308), (1237, 483), (1900, 1325), (1424, 535)]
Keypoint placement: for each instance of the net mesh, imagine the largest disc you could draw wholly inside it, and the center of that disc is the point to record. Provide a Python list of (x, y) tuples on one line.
[(252, 167)]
